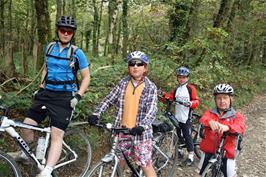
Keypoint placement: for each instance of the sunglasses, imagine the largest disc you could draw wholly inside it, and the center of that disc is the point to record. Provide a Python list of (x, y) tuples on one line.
[(64, 31), (133, 63)]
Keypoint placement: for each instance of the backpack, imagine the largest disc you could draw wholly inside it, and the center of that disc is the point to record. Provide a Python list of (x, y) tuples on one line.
[(70, 56)]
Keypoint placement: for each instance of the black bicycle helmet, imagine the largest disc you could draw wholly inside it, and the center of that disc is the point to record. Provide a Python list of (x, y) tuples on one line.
[(67, 21)]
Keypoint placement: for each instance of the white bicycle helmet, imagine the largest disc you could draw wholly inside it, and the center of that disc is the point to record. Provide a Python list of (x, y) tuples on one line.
[(223, 89), (182, 71), (138, 55)]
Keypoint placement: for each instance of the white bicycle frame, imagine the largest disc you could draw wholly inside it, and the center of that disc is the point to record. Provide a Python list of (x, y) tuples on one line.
[(8, 125)]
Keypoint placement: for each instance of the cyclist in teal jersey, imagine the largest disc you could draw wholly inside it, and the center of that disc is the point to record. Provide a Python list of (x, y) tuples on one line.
[(59, 91)]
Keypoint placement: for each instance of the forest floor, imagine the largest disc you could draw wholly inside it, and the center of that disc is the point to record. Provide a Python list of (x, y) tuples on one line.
[(252, 159)]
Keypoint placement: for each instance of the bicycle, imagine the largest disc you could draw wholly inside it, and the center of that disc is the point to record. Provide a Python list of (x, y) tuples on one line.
[(108, 165), (75, 158), (213, 169), (197, 130)]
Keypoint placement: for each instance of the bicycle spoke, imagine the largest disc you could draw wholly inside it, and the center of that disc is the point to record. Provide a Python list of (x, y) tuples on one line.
[(80, 144)]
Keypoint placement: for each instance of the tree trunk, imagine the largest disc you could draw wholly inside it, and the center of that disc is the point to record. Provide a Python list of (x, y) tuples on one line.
[(232, 15), (177, 20), (9, 26), (59, 8), (99, 26), (10, 65), (118, 36), (43, 30), (112, 28), (2, 27), (24, 60), (125, 29), (87, 38), (223, 14), (192, 21), (94, 33)]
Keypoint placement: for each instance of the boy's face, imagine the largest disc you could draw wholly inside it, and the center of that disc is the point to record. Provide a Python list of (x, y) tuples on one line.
[(182, 79), (137, 69), (222, 101)]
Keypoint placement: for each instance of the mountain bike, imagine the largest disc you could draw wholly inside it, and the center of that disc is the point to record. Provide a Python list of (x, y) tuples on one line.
[(75, 158), (197, 130), (164, 160), (213, 169)]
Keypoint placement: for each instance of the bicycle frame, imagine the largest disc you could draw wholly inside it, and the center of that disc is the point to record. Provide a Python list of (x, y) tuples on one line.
[(8, 125)]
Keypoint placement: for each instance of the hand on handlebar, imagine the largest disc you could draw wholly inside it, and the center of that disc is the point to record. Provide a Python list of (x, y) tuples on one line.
[(93, 119), (138, 130)]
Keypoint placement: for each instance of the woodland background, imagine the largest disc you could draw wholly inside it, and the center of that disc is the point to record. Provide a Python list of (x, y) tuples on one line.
[(221, 41)]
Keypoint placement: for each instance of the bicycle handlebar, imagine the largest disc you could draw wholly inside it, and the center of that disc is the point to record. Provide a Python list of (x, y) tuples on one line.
[(113, 129)]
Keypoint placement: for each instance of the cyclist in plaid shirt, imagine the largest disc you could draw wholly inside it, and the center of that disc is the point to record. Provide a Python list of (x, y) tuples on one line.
[(135, 99)]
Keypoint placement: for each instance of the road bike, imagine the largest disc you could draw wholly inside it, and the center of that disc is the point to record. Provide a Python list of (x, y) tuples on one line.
[(74, 160), (164, 155), (213, 168)]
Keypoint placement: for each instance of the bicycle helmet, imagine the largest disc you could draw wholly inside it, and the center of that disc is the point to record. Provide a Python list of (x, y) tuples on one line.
[(138, 55), (67, 21), (182, 71), (224, 89)]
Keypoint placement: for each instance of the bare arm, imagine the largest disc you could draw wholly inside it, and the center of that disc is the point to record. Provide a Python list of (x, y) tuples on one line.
[(85, 74), (44, 72)]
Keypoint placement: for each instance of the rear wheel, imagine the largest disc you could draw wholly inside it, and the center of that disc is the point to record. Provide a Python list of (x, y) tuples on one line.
[(8, 166), (79, 143), (103, 169), (196, 136), (167, 143)]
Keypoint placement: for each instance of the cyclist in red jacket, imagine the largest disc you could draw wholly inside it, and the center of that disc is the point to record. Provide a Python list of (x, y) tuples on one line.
[(186, 99), (216, 121)]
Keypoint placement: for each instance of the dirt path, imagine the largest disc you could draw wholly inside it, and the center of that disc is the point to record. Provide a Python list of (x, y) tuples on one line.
[(252, 160)]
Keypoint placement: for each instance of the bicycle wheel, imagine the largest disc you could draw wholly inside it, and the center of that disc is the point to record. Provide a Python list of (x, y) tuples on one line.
[(8, 167), (167, 143), (104, 169), (78, 142), (212, 171), (196, 139)]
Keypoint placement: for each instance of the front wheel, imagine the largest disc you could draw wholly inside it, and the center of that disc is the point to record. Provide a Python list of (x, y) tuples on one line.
[(104, 169), (8, 166), (167, 144), (212, 171), (79, 143)]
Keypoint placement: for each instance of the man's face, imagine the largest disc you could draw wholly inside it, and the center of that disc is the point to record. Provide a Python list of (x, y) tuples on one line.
[(181, 79), (65, 34), (136, 69), (222, 101)]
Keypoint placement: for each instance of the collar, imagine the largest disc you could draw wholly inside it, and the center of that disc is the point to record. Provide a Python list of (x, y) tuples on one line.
[(229, 113)]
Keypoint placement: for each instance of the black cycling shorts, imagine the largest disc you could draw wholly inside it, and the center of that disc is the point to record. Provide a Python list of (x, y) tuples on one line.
[(55, 104)]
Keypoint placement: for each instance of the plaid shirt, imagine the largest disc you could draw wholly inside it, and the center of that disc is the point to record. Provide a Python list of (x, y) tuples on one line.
[(147, 106)]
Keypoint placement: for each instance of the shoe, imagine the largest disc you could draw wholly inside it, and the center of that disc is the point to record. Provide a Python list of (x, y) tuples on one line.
[(43, 175), (180, 154), (19, 156), (188, 162)]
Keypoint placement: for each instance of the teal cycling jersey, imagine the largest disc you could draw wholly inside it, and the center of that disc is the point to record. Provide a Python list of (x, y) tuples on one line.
[(59, 68)]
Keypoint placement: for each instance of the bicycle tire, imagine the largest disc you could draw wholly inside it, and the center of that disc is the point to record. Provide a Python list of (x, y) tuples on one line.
[(168, 145), (8, 166), (211, 171), (196, 131), (104, 169), (80, 143)]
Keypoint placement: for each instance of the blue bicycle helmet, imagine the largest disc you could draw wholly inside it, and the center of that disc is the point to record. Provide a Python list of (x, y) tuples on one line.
[(139, 56), (182, 71)]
